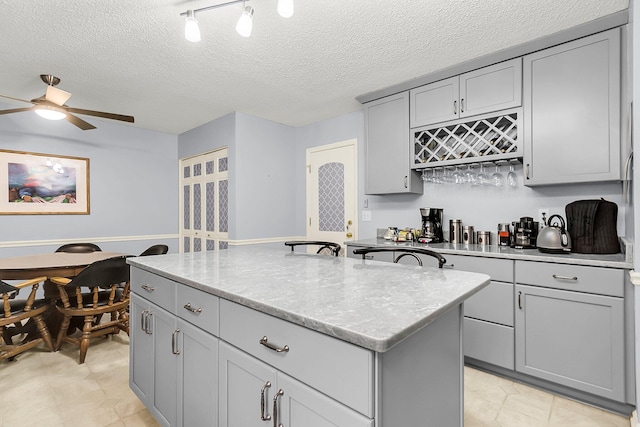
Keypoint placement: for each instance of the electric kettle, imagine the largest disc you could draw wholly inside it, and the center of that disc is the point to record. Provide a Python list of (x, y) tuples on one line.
[(554, 237)]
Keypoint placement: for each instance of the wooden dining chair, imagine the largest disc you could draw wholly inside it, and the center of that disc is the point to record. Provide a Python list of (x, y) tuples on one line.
[(325, 247), (16, 315), (101, 288), (79, 248)]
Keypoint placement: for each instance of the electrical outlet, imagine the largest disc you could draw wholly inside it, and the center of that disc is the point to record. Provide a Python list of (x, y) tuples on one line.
[(543, 216)]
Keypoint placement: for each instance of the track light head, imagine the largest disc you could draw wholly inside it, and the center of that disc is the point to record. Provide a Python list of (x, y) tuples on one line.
[(191, 28), (245, 23)]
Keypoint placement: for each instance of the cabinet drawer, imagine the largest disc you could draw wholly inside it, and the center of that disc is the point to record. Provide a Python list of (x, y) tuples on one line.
[(594, 280), (493, 303), (489, 343), (498, 269), (339, 369), (198, 307), (157, 289)]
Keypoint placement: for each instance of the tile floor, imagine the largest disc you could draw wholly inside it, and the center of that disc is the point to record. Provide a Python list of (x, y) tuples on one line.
[(50, 389)]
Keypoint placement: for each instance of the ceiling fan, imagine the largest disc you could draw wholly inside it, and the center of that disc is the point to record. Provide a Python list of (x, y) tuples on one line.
[(52, 106)]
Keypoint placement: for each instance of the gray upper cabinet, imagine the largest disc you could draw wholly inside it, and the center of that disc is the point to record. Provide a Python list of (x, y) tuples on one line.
[(387, 154), (572, 111), (484, 90)]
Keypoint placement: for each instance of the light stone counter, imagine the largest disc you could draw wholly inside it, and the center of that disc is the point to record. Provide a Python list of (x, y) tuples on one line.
[(371, 304), (623, 260)]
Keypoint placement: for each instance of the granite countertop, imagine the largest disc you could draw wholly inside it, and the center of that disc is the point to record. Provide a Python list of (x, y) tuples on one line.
[(368, 303), (623, 260)]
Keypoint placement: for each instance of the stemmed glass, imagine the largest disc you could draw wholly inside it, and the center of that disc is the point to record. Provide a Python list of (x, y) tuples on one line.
[(483, 178), (512, 178), (497, 178), (472, 177), (458, 177)]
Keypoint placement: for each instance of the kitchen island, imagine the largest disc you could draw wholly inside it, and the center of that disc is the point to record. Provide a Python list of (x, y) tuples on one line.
[(263, 336)]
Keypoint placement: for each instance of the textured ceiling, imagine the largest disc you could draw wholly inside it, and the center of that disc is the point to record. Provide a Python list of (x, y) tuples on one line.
[(130, 56)]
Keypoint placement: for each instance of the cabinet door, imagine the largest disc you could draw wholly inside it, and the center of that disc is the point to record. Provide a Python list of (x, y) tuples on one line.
[(492, 88), (436, 102), (301, 406), (165, 367), (140, 349), (197, 376), (388, 158), (571, 338), (572, 111), (246, 389)]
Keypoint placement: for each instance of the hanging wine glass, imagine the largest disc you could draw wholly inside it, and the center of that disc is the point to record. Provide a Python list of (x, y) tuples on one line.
[(483, 178), (497, 178), (512, 178), (472, 177)]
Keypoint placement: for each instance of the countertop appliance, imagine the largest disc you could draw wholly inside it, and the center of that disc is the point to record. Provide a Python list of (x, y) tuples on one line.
[(431, 225), (525, 233), (554, 237)]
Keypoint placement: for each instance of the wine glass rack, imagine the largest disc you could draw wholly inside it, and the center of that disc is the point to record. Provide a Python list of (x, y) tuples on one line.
[(481, 140)]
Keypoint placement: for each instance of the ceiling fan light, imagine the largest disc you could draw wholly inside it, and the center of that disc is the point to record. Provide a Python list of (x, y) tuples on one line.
[(285, 8), (245, 23), (50, 113), (191, 28)]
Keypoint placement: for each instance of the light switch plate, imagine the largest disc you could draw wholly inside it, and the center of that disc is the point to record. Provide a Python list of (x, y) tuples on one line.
[(366, 215)]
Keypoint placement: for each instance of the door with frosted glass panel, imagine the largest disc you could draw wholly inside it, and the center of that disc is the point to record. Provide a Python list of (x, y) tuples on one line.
[(332, 192), (204, 200)]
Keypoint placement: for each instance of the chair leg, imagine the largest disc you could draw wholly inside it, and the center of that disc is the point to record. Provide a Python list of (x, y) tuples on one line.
[(62, 332), (86, 336), (44, 332)]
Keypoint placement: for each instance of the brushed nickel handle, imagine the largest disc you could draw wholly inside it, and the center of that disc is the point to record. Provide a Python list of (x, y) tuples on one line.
[(275, 408), (455, 107), (263, 416), (527, 171), (406, 181), (148, 288), (265, 342), (191, 309), (520, 300), (174, 342), (559, 277), (142, 320), (462, 105)]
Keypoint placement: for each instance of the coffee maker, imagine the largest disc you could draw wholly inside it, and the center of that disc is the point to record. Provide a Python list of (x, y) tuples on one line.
[(525, 233), (431, 225)]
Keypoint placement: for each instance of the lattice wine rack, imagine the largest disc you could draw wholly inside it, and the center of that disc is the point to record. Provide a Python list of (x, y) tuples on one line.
[(482, 140)]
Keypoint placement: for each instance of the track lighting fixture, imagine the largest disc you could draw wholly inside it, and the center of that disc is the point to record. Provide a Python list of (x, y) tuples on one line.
[(244, 25)]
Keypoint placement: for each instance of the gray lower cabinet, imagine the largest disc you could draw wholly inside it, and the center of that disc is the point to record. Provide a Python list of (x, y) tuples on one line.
[(572, 107), (387, 147), (568, 331)]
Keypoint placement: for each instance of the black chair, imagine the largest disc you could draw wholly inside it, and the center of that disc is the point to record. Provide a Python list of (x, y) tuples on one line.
[(333, 248), (79, 248), (155, 250), (106, 294), (403, 253)]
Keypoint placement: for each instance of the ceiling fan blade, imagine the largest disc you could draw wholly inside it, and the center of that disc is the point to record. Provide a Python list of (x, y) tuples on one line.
[(79, 122), (16, 110), (15, 99), (57, 96), (102, 114)]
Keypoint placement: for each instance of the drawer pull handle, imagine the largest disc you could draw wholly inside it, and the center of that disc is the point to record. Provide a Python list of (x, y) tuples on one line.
[(275, 408), (148, 288), (263, 416), (559, 277), (265, 342), (191, 309), (174, 343)]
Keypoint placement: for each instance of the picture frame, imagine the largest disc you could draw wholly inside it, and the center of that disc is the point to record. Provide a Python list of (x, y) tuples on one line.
[(43, 184)]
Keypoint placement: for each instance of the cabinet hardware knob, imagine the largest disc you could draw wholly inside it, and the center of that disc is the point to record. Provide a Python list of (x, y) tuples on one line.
[(265, 342), (174, 342), (559, 277), (275, 408), (148, 288), (191, 309), (263, 416)]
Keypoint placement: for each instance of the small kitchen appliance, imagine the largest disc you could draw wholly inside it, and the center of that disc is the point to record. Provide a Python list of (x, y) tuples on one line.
[(525, 233), (554, 237), (504, 234), (592, 225), (431, 225)]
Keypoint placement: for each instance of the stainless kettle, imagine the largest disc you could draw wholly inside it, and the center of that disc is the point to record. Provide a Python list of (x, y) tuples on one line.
[(554, 237)]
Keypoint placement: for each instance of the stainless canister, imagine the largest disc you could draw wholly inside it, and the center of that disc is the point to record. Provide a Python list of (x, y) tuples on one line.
[(455, 230), (467, 235), (483, 238)]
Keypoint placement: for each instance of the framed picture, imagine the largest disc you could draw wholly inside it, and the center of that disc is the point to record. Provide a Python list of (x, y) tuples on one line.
[(43, 184)]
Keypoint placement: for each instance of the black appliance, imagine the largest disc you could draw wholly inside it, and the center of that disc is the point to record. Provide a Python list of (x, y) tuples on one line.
[(431, 225), (525, 233)]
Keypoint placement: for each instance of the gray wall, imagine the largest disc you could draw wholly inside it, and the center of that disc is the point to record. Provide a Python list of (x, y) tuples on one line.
[(132, 183)]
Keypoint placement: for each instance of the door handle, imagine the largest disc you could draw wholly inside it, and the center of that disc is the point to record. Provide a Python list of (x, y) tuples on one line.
[(263, 416), (275, 408), (174, 342), (520, 300)]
